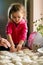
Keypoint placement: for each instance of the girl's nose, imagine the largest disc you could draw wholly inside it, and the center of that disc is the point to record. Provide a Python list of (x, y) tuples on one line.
[(17, 19)]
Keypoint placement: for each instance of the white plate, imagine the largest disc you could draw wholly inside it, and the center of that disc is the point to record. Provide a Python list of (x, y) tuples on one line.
[(40, 50)]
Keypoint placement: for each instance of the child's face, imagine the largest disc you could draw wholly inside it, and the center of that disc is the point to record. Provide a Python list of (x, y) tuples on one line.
[(17, 16)]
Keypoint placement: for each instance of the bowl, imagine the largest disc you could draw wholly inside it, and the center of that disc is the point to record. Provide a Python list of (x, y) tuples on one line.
[(40, 50)]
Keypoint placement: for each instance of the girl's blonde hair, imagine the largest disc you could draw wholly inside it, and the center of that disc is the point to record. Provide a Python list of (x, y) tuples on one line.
[(16, 7)]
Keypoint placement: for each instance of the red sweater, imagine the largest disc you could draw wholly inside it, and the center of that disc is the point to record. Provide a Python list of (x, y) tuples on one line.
[(18, 32)]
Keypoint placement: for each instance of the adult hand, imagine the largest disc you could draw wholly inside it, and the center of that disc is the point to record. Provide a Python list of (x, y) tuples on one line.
[(4, 43)]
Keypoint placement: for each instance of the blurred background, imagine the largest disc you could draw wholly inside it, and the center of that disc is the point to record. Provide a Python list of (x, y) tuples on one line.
[(34, 10)]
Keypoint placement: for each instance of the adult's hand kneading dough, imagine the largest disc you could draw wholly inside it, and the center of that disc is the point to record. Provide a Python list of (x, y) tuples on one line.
[(5, 43)]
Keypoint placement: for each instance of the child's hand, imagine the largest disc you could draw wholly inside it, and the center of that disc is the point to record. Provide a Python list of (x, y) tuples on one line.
[(12, 49), (19, 47)]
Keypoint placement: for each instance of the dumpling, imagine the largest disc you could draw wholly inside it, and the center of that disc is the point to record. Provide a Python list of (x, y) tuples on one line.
[(4, 57), (5, 61), (18, 63)]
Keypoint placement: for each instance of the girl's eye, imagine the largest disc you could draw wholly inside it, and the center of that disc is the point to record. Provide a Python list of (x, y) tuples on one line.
[(14, 17), (18, 16)]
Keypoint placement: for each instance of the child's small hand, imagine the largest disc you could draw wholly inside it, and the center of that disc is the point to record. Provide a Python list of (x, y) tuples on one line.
[(12, 49), (19, 47)]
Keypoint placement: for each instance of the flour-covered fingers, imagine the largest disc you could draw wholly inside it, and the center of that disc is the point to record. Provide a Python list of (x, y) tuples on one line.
[(6, 42)]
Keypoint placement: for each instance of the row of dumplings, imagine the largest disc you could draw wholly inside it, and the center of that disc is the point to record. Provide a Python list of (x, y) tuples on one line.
[(25, 57)]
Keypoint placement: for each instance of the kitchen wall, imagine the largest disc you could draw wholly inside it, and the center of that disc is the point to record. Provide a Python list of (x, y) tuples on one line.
[(37, 13)]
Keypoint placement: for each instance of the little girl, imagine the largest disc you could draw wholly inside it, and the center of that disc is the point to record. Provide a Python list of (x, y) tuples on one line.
[(16, 28)]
